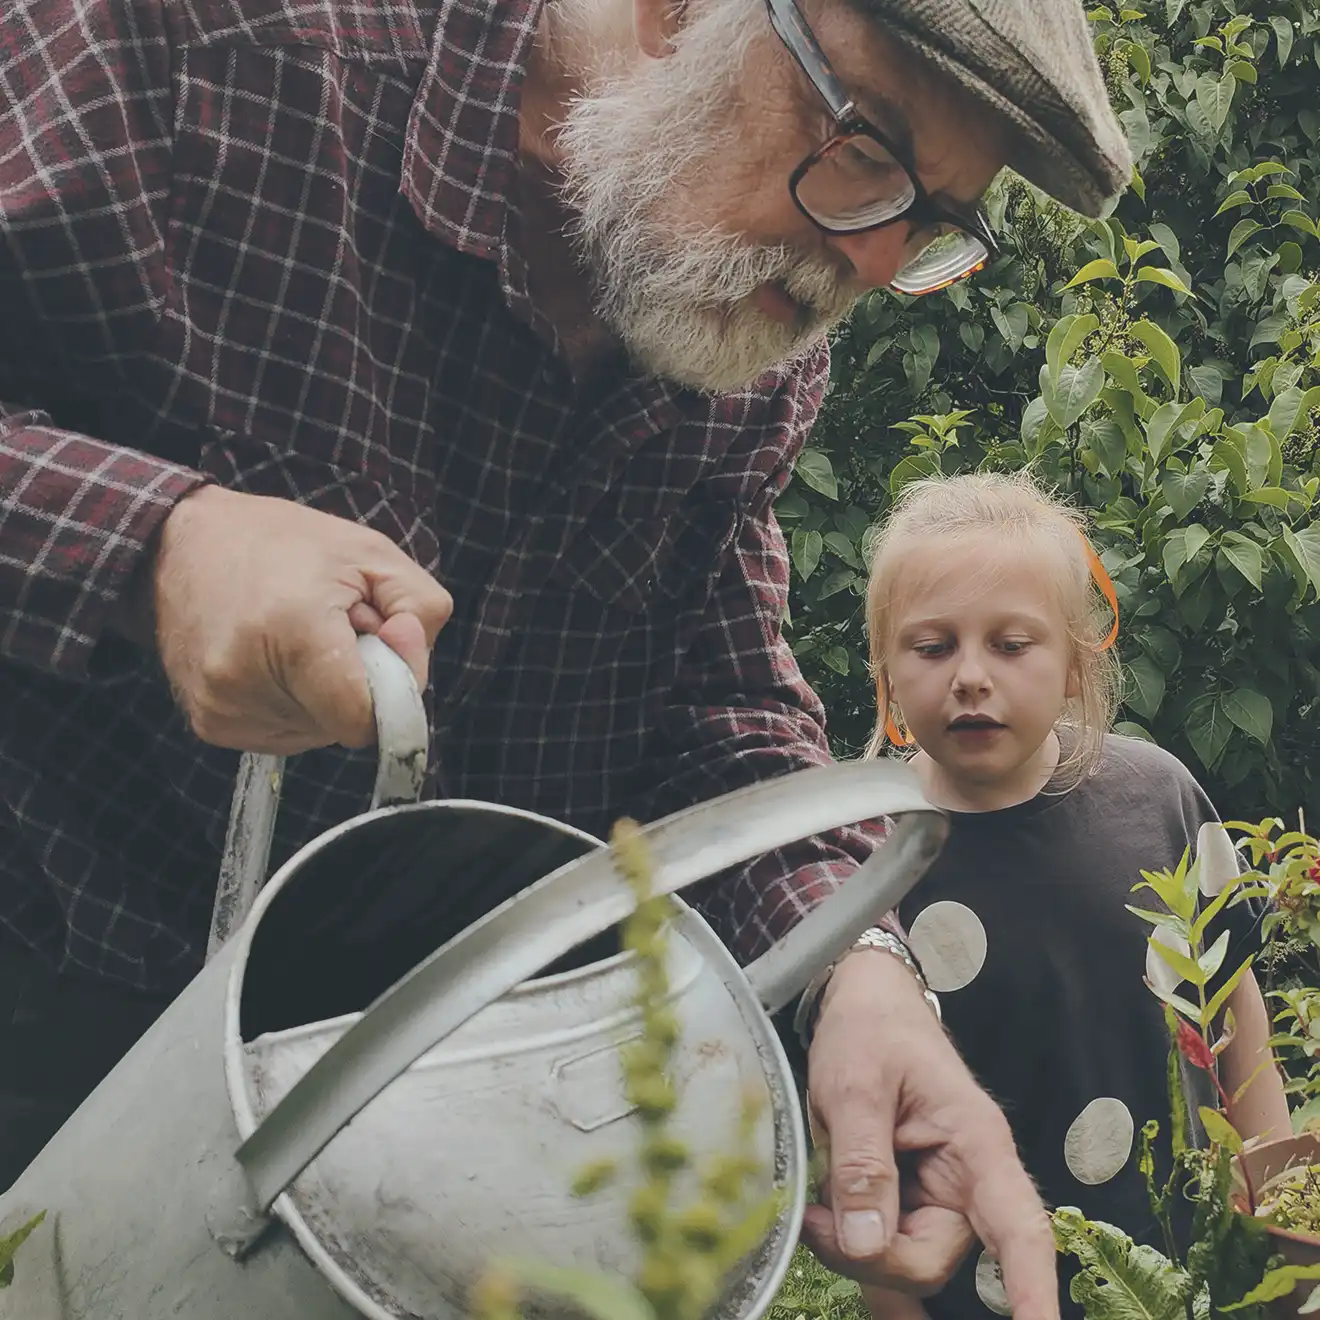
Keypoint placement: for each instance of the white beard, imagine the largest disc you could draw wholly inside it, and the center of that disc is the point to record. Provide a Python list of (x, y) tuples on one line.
[(674, 292)]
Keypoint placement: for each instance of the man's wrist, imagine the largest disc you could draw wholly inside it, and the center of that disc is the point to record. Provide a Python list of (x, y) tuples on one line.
[(873, 950)]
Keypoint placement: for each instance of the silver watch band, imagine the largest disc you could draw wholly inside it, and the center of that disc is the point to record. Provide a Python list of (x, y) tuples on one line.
[(804, 1020)]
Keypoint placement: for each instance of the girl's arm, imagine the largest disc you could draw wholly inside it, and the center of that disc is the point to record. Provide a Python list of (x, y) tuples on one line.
[(1262, 1110)]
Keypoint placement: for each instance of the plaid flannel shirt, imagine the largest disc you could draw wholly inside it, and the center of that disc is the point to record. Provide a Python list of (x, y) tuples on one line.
[(274, 245)]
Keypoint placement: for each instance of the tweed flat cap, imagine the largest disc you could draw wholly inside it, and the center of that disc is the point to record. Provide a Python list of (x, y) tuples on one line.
[(1032, 61)]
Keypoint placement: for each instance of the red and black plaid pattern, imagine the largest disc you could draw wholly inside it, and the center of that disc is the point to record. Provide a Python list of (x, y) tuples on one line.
[(272, 244)]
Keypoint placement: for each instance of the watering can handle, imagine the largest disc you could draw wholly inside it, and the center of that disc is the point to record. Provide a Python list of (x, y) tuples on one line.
[(585, 897), (403, 740)]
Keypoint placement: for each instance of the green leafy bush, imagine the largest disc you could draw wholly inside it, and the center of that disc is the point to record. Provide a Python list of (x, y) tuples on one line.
[(1161, 366)]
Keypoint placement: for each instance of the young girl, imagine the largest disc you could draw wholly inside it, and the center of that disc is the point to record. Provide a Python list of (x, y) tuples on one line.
[(991, 651)]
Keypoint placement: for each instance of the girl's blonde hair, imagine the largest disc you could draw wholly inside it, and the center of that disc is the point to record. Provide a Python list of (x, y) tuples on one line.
[(1016, 510)]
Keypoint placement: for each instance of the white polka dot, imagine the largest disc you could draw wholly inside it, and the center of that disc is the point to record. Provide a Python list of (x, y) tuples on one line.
[(1217, 858), (1099, 1142), (1158, 972), (949, 943), (990, 1285)]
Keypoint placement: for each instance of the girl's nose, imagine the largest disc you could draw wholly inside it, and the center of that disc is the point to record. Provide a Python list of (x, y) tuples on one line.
[(971, 676)]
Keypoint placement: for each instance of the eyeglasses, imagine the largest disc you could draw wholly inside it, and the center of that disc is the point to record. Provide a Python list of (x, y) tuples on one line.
[(859, 180)]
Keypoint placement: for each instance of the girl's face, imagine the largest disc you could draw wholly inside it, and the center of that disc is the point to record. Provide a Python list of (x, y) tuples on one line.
[(980, 667)]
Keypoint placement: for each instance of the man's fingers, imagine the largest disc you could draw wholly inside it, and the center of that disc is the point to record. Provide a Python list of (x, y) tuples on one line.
[(404, 635), (406, 587), (1010, 1219), (921, 1255), (863, 1178), (1007, 1213), (333, 688)]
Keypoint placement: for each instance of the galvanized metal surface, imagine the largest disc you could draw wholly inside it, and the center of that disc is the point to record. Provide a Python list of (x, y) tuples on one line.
[(158, 1187), (547, 920)]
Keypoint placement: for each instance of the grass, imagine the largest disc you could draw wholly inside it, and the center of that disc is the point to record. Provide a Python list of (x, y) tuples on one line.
[(811, 1292)]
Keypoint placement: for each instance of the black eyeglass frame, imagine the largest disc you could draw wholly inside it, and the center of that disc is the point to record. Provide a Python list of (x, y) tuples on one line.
[(791, 27)]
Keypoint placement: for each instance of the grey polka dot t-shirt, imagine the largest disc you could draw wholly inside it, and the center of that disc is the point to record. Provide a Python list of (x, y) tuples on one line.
[(1022, 926)]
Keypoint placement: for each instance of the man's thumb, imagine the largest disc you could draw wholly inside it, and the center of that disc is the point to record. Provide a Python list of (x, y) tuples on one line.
[(863, 1194)]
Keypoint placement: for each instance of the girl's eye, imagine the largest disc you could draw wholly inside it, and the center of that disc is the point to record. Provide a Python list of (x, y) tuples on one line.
[(1013, 647), (931, 648)]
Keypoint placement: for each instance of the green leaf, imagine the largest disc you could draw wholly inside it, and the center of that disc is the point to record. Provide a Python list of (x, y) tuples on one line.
[(1283, 34), (1184, 490), (1220, 1130), (1299, 220), (597, 1296), (1274, 496), (806, 551), (1162, 349), (1162, 646), (1109, 444), (1220, 997), (1305, 548), (1119, 1280), (1208, 730), (1123, 372), (1145, 692), (1242, 231), (1065, 339), (1213, 958), (1251, 712), (837, 659), (840, 580), (1187, 969), (1215, 96), (1139, 59), (1160, 428), (1264, 458), (1159, 275), (1285, 411), (917, 368), (1100, 269), (1184, 1006), (9, 1247), (1167, 239), (912, 468), (1234, 199), (1245, 556), (816, 470), (1077, 388), (844, 548), (1279, 1282), (1181, 546), (1012, 324)]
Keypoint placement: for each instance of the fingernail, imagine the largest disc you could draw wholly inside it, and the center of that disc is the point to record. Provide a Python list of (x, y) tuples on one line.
[(862, 1233)]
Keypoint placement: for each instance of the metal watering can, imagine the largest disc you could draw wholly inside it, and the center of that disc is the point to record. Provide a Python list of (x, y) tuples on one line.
[(369, 1091)]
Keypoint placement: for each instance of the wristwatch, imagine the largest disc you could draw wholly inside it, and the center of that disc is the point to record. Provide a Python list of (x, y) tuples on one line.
[(808, 1009)]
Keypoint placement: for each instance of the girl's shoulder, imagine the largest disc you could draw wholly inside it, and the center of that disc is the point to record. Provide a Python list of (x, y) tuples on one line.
[(1133, 770), (1121, 754)]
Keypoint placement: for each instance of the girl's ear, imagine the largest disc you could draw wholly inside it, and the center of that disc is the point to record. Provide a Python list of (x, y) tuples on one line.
[(1074, 688)]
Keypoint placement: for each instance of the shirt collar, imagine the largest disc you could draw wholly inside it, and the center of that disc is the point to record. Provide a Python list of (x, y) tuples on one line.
[(461, 151)]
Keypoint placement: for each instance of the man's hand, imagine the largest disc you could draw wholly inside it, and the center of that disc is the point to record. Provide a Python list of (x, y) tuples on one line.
[(921, 1160), (255, 605)]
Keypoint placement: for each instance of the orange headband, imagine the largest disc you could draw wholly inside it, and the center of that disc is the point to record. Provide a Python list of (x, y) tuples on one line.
[(1106, 585)]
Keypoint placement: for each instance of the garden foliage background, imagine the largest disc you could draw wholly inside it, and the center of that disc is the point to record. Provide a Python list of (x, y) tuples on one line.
[(1162, 367)]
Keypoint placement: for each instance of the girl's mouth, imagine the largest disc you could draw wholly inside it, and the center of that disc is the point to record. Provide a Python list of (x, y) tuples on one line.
[(974, 724)]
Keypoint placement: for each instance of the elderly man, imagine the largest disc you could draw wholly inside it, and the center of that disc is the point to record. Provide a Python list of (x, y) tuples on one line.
[(494, 328)]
